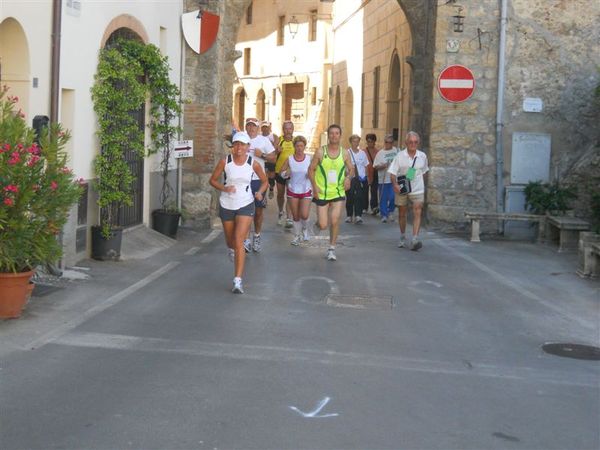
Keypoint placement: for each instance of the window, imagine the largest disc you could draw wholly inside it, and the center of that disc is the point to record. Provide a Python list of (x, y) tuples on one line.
[(362, 100), (281, 31), (274, 97), (249, 14), (247, 56), (312, 30), (376, 74), (313, 96)]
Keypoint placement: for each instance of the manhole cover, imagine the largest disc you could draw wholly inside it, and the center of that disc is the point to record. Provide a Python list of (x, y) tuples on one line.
[(358, 301), (41, 290), (576, 351)]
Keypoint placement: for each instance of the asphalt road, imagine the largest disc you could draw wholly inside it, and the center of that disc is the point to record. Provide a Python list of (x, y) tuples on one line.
[(383, 349)]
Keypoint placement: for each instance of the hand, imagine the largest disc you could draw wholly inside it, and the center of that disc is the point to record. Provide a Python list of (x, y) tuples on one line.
[(347, 184), (396, 188), (229, 189), (258, 196), (316, 194)]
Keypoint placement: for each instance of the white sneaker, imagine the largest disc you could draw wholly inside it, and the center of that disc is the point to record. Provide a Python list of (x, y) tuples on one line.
[(402, 243), (231, 254), (416, 245), (237, 286), (289, 223), (358, 219), (305, 235), (256, 244), (331, 255), (247, 245), (280, 218), (348, 220), (384, 219), (296, 240)]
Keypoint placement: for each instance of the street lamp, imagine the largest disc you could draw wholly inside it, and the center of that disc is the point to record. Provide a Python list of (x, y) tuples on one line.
[(293, 26)]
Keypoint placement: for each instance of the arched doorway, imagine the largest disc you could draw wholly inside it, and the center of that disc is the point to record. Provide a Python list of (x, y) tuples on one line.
[(348, 112), (14, 62), (394, 98), (260, 106), (337, 110), (132, 215)]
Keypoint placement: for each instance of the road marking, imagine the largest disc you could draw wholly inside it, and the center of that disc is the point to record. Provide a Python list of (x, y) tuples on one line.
[(521, 290), (313, 414), (111, 301), (327, 357), (211, 237), (192, 251)]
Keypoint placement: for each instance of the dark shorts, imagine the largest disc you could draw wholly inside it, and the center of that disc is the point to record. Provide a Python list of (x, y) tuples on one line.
[(227, 215), (270, 167), (255, 186), (320, 202), (279, 179)]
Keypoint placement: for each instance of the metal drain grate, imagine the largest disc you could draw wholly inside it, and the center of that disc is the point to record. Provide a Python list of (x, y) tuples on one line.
[(41, 290), (576, 351), (359, 301)]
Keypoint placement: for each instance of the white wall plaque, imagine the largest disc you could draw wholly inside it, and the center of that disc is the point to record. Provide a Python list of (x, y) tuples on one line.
[(452, 45), (533, 104), (530, 160), (183, 149)]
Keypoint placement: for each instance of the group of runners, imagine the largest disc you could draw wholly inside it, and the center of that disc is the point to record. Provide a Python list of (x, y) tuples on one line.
[(332, 178)]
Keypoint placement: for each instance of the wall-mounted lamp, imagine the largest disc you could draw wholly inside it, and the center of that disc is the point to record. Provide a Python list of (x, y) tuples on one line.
[(293, 26), (458, 20), (202, 5)]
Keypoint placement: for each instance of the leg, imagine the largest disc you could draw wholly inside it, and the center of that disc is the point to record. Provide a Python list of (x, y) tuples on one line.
[(322, 216), (335, 211), (382, 202), (258, 219), (294, 206), (417, 211), (229, 232), (390, 195), (349, 204), (280, 196), (241, 228), (304, 208)]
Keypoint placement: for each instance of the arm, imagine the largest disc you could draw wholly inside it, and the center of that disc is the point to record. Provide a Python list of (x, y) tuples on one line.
[(214, 178), (311, 172), (349, 171), (264, 185), (393, 171), (283, 172)]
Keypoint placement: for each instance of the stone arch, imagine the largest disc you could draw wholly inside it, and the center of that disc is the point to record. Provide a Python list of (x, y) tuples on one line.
[(393, 99), (261, 105), (125, 21), (14, 61), (348, 112), (337, 109)]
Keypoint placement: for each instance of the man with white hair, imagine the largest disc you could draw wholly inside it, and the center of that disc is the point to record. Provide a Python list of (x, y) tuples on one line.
[(407, 172)]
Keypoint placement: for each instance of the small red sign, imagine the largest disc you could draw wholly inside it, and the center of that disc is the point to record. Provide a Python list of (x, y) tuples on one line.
[(456, 83)]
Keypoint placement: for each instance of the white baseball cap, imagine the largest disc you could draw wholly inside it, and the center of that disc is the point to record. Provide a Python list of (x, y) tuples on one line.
[(242, 137)]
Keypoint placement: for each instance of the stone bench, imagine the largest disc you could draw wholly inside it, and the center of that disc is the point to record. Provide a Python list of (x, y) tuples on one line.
[(476, 216), (565, 230)]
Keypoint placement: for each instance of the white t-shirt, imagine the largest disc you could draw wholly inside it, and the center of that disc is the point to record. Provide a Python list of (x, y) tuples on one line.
[(299, 183), (401, 164), (238, 176), (264, 145), (385, 156), (361, 161)]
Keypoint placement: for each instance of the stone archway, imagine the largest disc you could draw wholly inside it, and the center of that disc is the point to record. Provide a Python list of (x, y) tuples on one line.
[(14, 62), (261, 105), (393, 97)]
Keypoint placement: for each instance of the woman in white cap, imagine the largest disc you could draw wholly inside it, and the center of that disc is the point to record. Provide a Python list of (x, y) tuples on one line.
[(236, 204)]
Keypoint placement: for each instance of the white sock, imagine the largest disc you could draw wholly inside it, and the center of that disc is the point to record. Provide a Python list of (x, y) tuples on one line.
[(304, 224), (297, 228)]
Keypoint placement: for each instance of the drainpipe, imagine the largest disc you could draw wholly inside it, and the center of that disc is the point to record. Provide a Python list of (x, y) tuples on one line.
[(500, 114), (55, 65)]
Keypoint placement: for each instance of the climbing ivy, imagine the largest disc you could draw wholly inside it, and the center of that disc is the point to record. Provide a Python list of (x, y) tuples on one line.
[(128, 73)]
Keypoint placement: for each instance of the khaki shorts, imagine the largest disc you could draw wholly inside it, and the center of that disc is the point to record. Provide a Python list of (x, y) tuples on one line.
[(402, 199)]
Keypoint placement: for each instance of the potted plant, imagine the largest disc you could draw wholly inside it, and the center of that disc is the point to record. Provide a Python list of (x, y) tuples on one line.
[(37, 191), (128, 73), (542, 198), (587, 261)]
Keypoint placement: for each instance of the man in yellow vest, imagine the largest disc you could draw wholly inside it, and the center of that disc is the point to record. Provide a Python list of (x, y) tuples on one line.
[(330, 173), (284, 148)]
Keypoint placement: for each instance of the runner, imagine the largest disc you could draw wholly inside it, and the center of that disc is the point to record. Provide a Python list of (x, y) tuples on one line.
[(285, 149), (372, 174), (382, 162), (265, 130), (262, 150), (236, 204), (329, 173), (299, 192), (355, 196)]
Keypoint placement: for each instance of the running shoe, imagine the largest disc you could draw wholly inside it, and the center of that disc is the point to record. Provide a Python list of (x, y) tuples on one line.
[(384, 219), (331, 255), (247, 245), (256, 243), (348, 220), (358, 219), (401, 243), (289, 223), (374, 211), (237, 286), (416, 245), (296, 240), (231, 254)]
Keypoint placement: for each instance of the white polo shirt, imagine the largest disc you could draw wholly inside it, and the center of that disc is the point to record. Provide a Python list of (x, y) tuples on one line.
[(263, 144), (401, 164)]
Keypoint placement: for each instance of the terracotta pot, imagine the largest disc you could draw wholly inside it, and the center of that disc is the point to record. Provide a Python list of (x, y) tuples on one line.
[(14, 288)]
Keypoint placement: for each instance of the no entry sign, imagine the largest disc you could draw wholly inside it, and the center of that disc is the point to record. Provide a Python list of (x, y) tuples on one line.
[(456, 83)]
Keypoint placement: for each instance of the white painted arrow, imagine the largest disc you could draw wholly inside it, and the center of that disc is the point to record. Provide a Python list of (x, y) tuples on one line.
[(313, 414)]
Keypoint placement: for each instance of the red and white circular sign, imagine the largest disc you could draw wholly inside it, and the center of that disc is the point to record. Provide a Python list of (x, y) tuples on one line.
[(456, 83)]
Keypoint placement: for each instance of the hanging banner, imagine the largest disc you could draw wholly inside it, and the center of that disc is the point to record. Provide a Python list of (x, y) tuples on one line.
[(200, 29)]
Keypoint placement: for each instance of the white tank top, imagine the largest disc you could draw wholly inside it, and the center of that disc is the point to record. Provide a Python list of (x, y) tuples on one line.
[(299, 182), (238, 176)]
